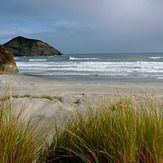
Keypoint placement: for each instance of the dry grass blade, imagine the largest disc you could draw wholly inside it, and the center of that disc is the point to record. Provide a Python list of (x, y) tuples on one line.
[(123, 132), (20, 139)]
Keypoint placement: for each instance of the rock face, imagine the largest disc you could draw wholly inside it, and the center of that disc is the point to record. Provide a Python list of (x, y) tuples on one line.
[(7, 62), (21, 46)]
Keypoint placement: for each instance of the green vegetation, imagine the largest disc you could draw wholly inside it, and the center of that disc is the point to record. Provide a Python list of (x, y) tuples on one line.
[(20, 139), (124, 131), (23, 42), (43, 96), (7, 63), (5, 56), (127, 131)]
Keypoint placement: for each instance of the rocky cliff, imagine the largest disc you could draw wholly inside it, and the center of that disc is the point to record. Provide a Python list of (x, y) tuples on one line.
[(7, 63), (22, 46)]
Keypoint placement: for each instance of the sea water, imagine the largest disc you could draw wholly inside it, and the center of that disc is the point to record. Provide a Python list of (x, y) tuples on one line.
[(122, 67)]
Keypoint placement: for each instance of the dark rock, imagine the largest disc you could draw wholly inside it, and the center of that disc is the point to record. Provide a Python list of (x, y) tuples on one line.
[(21, 46), (7, 62)]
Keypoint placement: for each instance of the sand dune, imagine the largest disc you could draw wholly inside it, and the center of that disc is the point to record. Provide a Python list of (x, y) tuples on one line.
[(34, 91)]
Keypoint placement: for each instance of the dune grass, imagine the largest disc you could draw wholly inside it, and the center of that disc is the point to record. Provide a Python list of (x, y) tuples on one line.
[(20, 139), (123, 131), (59, 98), (127, 131)]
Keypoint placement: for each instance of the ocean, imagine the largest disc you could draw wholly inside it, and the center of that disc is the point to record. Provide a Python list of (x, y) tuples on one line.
[(95, 67)]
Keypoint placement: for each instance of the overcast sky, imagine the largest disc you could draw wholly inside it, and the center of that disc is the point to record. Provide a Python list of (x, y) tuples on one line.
[(86, 26)]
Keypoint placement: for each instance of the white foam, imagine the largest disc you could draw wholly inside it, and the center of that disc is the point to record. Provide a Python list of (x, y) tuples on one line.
[(155, 57), (90, 67), (74, 58), (37, 60)]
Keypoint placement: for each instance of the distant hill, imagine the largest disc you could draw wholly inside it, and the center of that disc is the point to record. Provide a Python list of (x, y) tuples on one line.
[(7, 62), (21, 46)]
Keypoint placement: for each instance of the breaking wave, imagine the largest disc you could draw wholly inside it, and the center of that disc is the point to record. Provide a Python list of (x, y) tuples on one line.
[(74, 58), (155, 57)]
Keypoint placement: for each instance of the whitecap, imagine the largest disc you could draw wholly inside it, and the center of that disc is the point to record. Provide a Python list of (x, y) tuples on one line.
[(155, 57), (37, 60), (74, 58)]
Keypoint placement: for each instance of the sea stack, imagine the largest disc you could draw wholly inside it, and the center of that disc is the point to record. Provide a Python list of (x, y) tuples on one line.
[(7, 62), (21, 46)]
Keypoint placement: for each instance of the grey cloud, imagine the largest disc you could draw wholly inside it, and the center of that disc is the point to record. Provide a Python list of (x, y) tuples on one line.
[(106, 26)]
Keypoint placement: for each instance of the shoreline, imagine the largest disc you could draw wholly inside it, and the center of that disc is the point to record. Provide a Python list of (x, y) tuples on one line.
[(102, 79), (44, 85)]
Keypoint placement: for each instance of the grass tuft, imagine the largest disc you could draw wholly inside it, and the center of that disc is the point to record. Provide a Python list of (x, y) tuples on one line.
[(123, 131), (127, 131), (20, 139)]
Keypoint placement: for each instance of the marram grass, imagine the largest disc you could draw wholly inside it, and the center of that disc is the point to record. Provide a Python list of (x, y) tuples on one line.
[(20, 139), (125, 131), (128, 131)]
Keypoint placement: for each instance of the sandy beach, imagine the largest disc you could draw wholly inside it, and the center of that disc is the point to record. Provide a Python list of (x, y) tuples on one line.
[(54, 99)]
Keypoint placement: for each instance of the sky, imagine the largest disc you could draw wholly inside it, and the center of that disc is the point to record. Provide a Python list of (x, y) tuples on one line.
[(86, 26)]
